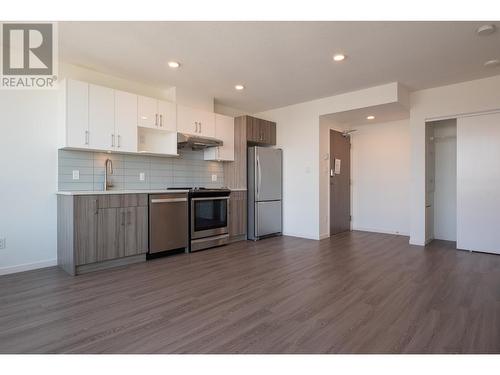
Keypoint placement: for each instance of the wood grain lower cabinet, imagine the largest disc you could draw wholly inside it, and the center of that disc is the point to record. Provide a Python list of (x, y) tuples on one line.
[(96, 232), (85, 229), (136, 230), (237, 215), (110, 234)]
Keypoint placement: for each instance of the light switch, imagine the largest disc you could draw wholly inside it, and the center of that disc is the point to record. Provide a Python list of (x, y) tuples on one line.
[(142, 176), (76, 175), (214, 178)]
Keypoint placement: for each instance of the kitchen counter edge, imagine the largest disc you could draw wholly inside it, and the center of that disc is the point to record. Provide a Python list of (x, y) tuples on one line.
[(101, 192)]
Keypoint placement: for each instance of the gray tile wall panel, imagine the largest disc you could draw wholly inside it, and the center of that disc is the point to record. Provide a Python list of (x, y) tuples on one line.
[(188, 170)]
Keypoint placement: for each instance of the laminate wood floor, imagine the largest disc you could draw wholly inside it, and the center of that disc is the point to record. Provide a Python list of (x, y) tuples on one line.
[(356, 292)]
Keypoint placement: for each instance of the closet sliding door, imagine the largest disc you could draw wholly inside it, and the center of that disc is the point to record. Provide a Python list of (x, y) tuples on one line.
[(478, 183)]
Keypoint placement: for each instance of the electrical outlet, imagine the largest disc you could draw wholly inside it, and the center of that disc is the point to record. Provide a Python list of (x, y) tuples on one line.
[(76, 175), (3, 243), (142, 176), (214, 178)]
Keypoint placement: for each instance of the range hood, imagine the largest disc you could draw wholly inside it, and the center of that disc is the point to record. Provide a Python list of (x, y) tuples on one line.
[(196, 142)]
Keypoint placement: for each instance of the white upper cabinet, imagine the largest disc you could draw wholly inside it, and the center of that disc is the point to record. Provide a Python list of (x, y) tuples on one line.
[(195, 122), (156, 114), (167, 116), (102, 118), (147, 114), (125, 121), (224, 130), (75, 113)]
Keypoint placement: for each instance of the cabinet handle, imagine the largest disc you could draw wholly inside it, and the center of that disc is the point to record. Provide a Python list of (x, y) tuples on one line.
[(86, 137), (196, 127), (161, 121), (156, 119), (112, 140), (119, 140), (123, 218), (129, 218), (201, 130), (96, 206)]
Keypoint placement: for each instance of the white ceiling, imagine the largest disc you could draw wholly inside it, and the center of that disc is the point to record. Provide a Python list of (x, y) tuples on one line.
[(281, 63), (383, 113)]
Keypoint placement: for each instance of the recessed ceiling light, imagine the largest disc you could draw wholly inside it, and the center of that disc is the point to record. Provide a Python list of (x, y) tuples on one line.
[(338, 57), (239, 87), (486, 30), (173, 64), (492, 63), (370, 117)]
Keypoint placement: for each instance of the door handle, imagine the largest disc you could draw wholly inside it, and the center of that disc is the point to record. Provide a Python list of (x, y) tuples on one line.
[(258, 176), (168, 200)]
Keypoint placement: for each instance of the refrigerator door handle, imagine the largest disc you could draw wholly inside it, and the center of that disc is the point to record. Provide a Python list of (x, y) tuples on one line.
[(258, 177)]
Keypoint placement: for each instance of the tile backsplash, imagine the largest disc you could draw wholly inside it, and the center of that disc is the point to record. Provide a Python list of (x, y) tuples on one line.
[(188, 170)]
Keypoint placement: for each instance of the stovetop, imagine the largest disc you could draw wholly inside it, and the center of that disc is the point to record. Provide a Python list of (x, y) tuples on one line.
[(203, 191)]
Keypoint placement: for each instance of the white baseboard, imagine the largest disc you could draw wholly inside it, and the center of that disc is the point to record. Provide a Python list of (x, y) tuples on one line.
[(28, 266), (301, 235), (323, 236), (378, 230)]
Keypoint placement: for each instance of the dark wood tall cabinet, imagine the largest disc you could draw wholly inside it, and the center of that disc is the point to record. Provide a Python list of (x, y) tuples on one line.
[(248, 130), (238, 215), (260, 132)]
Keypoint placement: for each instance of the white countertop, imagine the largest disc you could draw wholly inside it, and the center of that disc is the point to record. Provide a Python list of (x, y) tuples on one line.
[(101, 192)]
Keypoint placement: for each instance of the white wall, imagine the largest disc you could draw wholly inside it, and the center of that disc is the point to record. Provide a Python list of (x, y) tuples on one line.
[(380, 173), (445, 180), (28, 144), (440, 102), (28, 162), (298, 134)]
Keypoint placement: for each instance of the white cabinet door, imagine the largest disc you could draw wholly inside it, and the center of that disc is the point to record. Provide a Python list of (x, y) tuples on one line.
[(195, 121), (101, 118), (187, 120), (167, 117), (478, 183), (77, 114), (147, 112), (125, 121), (207, 123), (224, 130)]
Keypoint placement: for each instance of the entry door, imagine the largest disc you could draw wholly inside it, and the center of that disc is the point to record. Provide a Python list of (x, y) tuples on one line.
[(340, 183)]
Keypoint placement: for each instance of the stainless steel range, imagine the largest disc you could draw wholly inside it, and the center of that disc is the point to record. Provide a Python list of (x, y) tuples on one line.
[(208, 217)]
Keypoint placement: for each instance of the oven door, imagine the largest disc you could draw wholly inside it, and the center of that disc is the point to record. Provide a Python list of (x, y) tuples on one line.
[(209, 216)]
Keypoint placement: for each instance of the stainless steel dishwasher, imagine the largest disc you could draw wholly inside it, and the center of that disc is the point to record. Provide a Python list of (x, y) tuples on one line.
[(168, 222)]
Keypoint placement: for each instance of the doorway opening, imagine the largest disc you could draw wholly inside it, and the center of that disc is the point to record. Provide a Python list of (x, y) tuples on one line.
[(441, 180)]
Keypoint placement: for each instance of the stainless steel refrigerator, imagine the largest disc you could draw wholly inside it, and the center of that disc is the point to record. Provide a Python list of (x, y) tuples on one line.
[(265, 177)]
